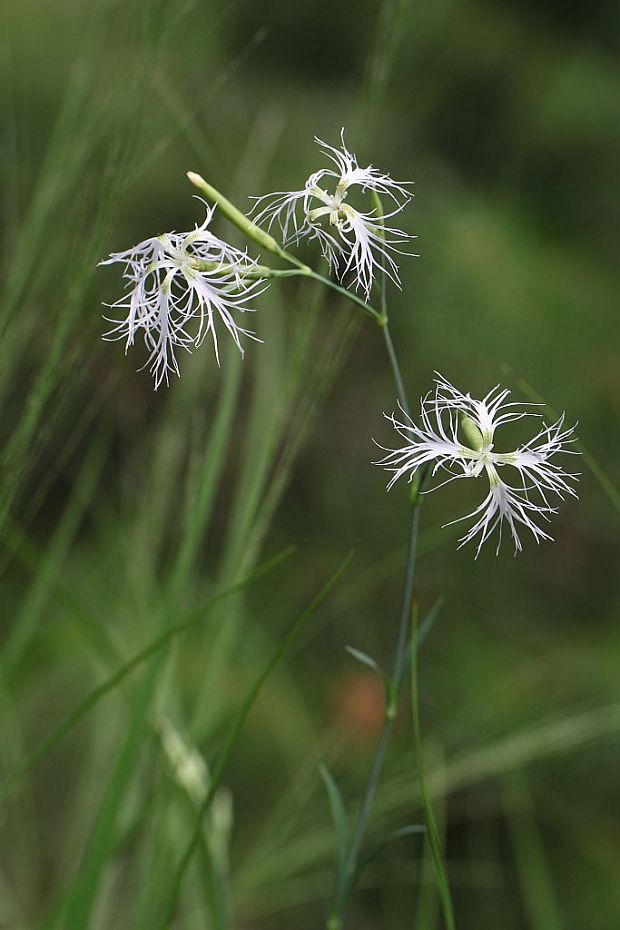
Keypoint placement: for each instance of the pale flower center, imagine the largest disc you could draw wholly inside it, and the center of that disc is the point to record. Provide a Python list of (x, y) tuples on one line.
[(334, 207), (482, 459), (178, 256)]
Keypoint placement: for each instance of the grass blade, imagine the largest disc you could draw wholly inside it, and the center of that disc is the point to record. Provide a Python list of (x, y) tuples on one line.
[(104, 832), (110, 683), (236, 728), (431, 826), (340, 826)]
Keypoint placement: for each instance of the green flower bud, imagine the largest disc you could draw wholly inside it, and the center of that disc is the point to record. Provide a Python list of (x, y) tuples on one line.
[(231, 212), (472, 434)]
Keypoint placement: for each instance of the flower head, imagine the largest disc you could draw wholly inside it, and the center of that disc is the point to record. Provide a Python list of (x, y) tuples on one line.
[(350, 239), (457, 435), (180, 287)]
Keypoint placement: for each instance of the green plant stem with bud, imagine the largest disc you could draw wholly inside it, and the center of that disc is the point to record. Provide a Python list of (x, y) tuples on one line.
[(339, 903), (266, 241), (394, 686)]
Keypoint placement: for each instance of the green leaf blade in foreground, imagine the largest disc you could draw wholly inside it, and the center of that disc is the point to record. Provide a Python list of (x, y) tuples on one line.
[(82, 898), (432, 832), (340, 827), (235, 730), (110, 683)]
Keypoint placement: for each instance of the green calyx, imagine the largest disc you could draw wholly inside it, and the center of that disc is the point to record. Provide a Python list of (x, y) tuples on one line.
[(471, 433)]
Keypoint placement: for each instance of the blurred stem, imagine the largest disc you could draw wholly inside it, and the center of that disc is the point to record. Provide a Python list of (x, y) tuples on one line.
[(432, 832), (233, 734), (400, 653), (400, 657)]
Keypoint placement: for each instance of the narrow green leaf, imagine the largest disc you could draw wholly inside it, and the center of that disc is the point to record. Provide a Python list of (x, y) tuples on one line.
[(110, 683), (539, 893), (415, 829), (25, 622), (340, 827), (434, 840), (370, 663), (235, 730), (367, 660)]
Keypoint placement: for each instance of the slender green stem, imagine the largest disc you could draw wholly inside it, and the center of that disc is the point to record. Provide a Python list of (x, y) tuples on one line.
[(299, 270), (327, 282), (377, 317), (400, 654), (398, 378), (400, 658), (434, 840), (249, 271)]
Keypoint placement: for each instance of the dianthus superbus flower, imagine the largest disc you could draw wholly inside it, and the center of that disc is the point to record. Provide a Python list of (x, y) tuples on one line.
[(351, 239), (457, 435), (180, 288)]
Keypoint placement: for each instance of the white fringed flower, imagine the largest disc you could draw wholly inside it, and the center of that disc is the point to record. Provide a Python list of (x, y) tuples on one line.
[(446, 416), (180, 287), (351, 239)]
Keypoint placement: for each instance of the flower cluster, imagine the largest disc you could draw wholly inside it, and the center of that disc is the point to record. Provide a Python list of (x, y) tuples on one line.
[(351, 239), (456, 436), (184, 287), (180, 288)]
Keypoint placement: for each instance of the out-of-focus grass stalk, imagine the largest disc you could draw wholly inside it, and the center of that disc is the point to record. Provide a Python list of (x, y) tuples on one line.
[(432, 832), (536, 882), (334, 921), (169, 634), (95, 858), (210, 470), (344, 888), (235, 730), (400, 793), (27, 618)]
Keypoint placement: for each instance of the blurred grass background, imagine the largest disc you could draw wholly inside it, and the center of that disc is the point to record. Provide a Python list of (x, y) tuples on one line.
[(122, 510)]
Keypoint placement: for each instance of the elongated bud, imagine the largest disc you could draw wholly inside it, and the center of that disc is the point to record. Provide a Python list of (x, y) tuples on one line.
[(472, 434), (230, 211)]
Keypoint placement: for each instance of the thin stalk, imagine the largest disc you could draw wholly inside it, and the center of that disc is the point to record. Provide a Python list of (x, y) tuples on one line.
[(398, 379), (327, 282), (400, 654), (400, 658), (377, 317), (253, 272), (432, 832)]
